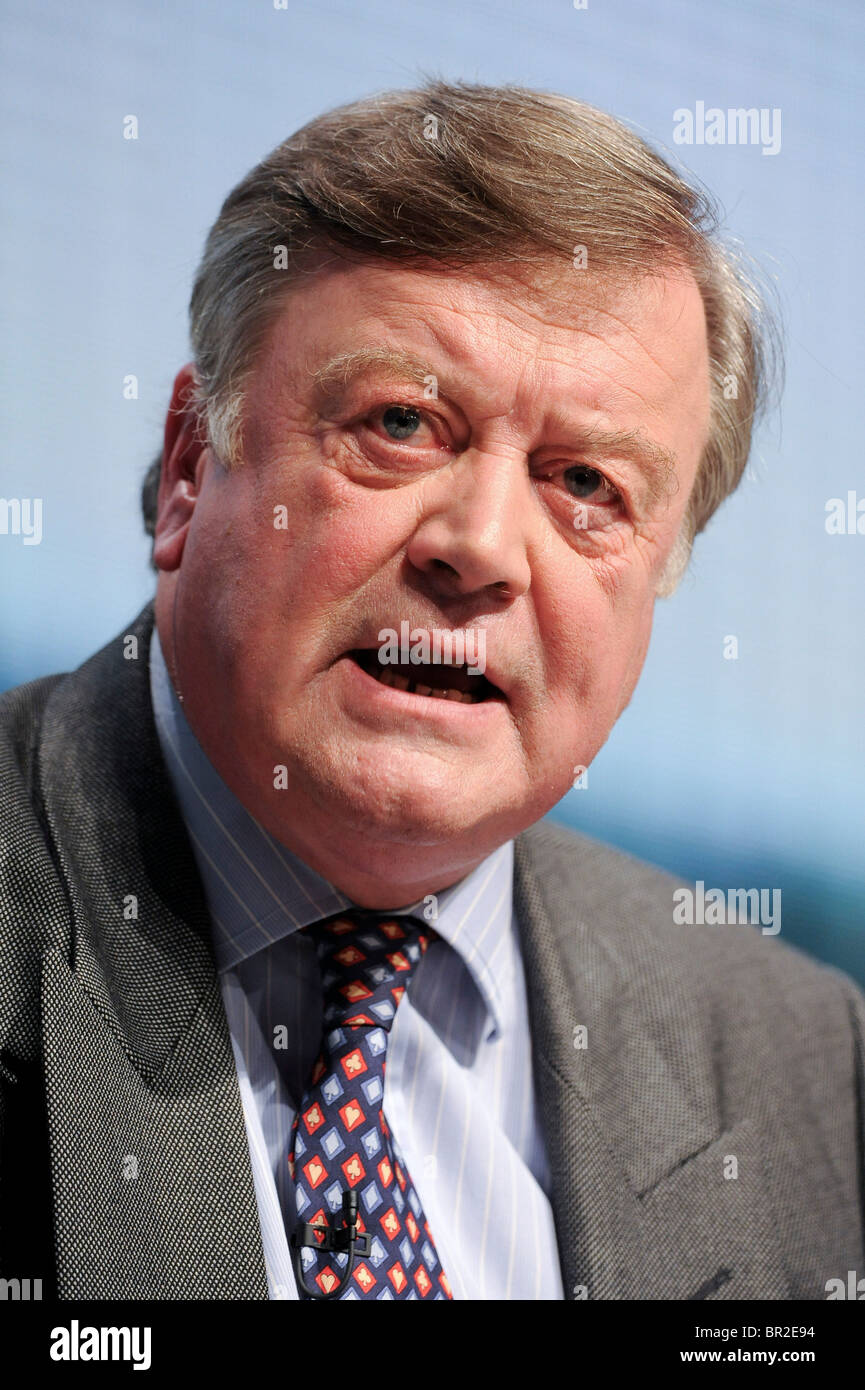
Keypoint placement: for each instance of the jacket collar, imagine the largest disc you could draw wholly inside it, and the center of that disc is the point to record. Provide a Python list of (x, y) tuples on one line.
[(644, 1201), (150, 1164)]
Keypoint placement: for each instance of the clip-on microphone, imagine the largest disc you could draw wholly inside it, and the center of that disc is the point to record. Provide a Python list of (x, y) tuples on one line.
[(346, 1240)]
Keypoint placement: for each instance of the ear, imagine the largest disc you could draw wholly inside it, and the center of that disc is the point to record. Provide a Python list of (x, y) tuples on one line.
[(184, 454)]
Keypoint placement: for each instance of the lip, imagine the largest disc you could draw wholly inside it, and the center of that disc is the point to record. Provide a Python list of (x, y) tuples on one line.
[(368, 639), (388, 701)]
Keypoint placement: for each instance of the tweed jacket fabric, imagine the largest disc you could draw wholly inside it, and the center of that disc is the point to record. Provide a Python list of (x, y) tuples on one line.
[(705, 1143)]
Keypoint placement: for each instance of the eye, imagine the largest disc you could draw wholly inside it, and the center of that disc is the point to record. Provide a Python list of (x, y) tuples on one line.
[(586, 492), (582, 481), (400, 421)]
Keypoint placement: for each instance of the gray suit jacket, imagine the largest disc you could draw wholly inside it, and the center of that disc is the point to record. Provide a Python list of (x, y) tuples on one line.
[(124, 1166)]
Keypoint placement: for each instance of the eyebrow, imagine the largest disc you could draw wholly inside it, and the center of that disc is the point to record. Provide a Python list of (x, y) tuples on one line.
[(339, 371), (658, 463)]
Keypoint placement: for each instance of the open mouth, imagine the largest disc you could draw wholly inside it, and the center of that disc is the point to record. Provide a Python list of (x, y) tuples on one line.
[(433, 681)]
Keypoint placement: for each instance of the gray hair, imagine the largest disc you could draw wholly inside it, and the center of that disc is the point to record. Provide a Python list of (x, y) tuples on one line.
[(461, 174)]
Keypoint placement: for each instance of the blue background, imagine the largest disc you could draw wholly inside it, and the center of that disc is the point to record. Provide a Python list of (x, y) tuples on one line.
[(744, 773)]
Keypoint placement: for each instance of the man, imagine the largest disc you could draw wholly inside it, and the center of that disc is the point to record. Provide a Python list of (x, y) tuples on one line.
[(470, 373)]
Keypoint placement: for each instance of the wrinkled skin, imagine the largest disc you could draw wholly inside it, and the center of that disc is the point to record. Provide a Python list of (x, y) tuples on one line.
[(469, 522)]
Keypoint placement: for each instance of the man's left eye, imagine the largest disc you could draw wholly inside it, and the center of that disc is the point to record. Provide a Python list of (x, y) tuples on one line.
[(400, 421), (582, 481)]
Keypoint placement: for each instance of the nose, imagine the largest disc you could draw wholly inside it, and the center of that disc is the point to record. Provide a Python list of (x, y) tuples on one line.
[(473, 537)]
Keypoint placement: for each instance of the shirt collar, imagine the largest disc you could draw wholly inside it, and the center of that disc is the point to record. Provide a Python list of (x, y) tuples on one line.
[(259, 892)]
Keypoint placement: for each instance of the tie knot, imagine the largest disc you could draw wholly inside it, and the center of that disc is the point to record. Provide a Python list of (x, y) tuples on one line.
[(367, 961)]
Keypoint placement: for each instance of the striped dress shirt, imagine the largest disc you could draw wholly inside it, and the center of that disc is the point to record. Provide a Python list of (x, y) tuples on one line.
[(459, 1090)]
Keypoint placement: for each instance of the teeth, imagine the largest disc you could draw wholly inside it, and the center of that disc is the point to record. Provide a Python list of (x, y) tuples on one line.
[(392, 678)]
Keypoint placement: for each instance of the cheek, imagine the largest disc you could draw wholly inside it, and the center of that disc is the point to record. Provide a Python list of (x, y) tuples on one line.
[(596, 648), (338, 534), (301, 528), (636, 656)]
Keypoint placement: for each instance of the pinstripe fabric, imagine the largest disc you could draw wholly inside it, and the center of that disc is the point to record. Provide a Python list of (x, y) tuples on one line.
[(460, 1095)]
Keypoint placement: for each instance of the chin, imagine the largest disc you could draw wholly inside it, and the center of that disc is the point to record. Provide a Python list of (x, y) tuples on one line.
[(392, 806)]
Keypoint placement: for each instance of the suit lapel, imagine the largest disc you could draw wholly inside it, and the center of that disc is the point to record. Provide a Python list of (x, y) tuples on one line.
[(153, 1186), (153, 1195), (644, 1203)]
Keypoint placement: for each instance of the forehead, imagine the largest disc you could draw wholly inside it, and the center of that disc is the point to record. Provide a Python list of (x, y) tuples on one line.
[(509, 340)]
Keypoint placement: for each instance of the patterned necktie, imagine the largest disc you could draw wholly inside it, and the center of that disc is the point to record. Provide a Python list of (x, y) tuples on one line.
[(341, 1142)]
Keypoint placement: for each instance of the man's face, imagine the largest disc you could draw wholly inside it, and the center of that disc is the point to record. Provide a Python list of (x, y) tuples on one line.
[(520, 467)]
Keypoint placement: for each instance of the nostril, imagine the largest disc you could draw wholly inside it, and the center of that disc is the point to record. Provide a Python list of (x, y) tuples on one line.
[(443, 565)]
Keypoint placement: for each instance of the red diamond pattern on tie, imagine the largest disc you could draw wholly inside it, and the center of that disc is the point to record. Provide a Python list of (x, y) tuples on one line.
[(340, 1139)]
